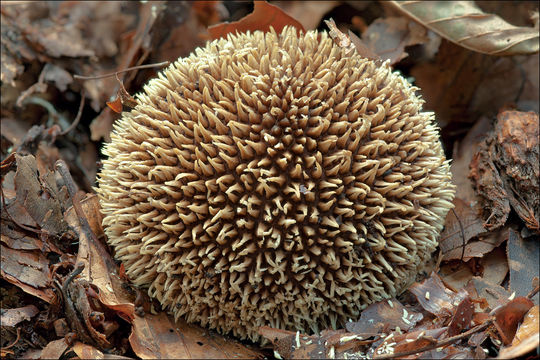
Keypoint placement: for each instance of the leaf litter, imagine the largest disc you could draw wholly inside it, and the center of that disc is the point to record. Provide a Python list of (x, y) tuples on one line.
[(481, 301)]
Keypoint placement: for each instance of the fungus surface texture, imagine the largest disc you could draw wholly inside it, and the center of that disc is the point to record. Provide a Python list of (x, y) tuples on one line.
[(274, 179)]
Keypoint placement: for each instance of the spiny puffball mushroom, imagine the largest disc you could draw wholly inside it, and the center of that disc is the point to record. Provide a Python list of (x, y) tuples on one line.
[(274, 179)]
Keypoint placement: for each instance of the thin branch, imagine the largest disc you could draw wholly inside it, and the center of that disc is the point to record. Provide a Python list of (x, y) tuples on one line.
[(78, 117), (81, 77), (78, 269), (14, 342), (462, 234), (86, 229), (62, 168), (438, 344), (533, 292)]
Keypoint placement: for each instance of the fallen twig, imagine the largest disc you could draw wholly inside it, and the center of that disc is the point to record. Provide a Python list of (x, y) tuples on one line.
[(86, 229), (5, 348), (462, 234), (78, 117), (82, 77), (438, 344), (75, 322), (533, 292)]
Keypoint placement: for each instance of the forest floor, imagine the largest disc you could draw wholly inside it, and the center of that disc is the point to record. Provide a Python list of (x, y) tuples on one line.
[(478, 300)]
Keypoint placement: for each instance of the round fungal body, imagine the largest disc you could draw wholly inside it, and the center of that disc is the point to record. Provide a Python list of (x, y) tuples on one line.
[(274, 179)]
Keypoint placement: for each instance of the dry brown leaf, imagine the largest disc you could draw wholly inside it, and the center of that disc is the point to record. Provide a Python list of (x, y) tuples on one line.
[(10, 68), (523, 257), (16, 239), (27, 270), (515, 79), (38, 193), (14, 49), (492, 268), (101, 126), (209, 12), (328, 344), (54, 349), (462, 154), (449, 82), (85, 351), (100, 269), (456, 273), (104, 23), (14, 130), (177, 30), (466, 201), (463, 23), (459, 231), (412, 340), (36, 205), (462, 317), (524, 347), (123, 98), (494, 294), (435, 297), (263, 16), (308, 13), (495, 266), (165, 31), (509, 316), (159, 336), (458, 85), (527, 337), (388, 37), (57, 41), (115, 105), (528, 327), (11, 317), (383, 316), (57, 75)]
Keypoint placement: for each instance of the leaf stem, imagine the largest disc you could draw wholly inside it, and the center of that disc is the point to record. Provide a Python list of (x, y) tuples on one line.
[(82, 77)]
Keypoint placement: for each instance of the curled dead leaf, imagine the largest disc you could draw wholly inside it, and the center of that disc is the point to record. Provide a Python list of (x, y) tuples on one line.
[(465, 24), (263, 17), (462, 317), (435, 297), (527, 337), (159, 336), (11, 317), (509, 316), (383, 316)]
